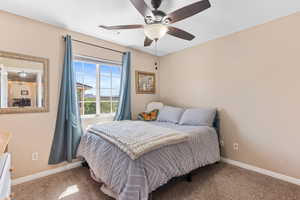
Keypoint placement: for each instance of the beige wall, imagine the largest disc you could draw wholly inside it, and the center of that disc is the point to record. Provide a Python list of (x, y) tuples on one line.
[(253, 78), (34, 132)]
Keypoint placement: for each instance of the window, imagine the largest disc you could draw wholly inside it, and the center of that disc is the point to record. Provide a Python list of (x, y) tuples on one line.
[(98, 86)]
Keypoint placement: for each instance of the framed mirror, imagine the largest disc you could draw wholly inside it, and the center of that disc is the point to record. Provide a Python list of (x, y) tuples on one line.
[(23, 83)]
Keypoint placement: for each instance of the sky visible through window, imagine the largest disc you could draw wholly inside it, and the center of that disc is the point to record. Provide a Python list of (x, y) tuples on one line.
[(87, 74)]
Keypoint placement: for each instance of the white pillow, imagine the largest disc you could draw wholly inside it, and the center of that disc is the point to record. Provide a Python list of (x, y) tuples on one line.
[(198, 116), (154, 105), (170, 114)]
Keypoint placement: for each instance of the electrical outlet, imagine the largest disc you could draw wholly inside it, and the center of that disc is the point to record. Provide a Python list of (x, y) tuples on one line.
[(35, 156), (235, 146), (222, 143)]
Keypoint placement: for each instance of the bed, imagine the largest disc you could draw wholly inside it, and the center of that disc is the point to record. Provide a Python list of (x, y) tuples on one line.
[(128, 179)]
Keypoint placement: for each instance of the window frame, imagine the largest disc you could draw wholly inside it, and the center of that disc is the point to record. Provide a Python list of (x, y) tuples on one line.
[(98, 62)]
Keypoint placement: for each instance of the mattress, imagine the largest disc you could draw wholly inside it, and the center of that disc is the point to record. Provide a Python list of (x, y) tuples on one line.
[(135, 179)]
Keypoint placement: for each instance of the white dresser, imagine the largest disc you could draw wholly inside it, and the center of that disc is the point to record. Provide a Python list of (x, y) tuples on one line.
[(5, 167), (5, 178)]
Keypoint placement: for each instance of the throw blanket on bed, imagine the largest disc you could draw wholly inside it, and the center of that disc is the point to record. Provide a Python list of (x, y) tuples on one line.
[(135, 179), (136, 137)]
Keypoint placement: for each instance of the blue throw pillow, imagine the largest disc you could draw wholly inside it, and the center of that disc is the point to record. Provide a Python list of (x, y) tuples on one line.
[(170, 114), (198, 116)]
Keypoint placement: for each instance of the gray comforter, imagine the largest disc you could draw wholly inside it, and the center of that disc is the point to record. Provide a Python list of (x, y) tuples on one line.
[(137, 137), (135, 179)]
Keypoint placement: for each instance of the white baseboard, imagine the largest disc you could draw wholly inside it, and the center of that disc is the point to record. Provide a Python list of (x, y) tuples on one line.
[(225, 160), (262, 171), (46, 173)]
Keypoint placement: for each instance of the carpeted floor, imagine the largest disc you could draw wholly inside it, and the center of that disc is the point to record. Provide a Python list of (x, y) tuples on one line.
[(216, 182)]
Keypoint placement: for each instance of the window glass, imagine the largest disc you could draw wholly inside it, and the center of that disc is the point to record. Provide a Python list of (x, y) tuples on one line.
[(89, 108), (97, 81), (105, 82), (115, 106), (105, 106), (90, 95)]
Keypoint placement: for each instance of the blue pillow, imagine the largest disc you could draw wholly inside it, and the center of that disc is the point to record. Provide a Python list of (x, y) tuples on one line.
[(198, 117), (170, 114)]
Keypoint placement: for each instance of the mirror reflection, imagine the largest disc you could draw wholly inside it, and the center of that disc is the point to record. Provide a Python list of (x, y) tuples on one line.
[(21, 83)]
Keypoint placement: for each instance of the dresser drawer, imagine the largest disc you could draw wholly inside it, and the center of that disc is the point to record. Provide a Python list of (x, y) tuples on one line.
[(5, 179)]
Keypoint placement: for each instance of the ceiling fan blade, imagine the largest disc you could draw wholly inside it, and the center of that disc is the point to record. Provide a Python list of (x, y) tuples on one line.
[(147, 42), (176, 32), (134, 26), (189, 10), (142, 7)]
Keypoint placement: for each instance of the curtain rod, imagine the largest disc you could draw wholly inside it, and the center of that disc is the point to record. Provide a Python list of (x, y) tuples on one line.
[(94, 45)]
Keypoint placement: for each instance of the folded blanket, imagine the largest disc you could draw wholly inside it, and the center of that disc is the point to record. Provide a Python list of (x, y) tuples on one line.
[(137, 137)]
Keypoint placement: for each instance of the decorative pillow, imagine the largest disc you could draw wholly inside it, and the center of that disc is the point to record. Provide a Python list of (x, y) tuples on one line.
[(154, 105), (198, 116), (148, 116), (170, 114)]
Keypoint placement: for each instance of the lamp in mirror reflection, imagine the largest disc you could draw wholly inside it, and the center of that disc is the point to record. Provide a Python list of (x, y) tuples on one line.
[(22, 74)]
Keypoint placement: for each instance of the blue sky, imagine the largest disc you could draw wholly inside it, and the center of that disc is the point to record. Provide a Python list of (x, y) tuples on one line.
[(86, 74)]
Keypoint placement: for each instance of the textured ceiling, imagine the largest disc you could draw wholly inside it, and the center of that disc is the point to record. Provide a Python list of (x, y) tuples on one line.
[(223, 18)]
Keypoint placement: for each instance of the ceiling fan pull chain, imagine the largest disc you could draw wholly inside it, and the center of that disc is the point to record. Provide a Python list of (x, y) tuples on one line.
[(156, 56), (155, 48)]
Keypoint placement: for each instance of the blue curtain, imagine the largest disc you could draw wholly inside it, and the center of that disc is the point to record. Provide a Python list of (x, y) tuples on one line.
[(68, 125), (124, 109)]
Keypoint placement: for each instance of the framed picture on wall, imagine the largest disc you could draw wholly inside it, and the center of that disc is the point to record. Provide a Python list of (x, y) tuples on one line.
[(144, 82), (24, 92)]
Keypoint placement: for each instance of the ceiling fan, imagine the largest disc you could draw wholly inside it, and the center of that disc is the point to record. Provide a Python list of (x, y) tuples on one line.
[(158, 22)]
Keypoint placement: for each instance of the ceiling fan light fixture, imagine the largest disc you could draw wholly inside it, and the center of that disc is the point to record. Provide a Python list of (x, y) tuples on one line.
[(155, 31), (158, 23)]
